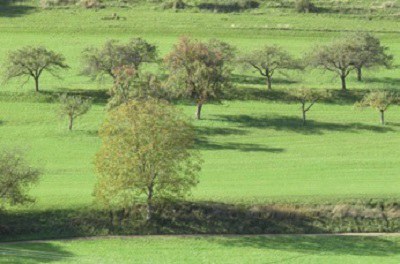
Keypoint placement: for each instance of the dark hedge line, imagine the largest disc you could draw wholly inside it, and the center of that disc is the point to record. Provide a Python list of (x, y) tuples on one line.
[(203, 218)]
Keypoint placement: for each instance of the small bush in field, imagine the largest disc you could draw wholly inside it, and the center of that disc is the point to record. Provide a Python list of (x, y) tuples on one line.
[(90, 3), (53, 3), (229, 6), (305, 6)]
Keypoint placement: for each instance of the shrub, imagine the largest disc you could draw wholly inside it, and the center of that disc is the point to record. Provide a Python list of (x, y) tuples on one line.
[(91, 4), (53, 3), (175, 4), (305, 6), (229, 6)]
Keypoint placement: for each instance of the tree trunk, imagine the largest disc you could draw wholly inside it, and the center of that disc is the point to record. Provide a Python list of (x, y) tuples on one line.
[(71, 122), (36, 84), (382, 117), (304, 114), (198, 111), (359, 74), (343, 78), (149, 208), (269, 82)]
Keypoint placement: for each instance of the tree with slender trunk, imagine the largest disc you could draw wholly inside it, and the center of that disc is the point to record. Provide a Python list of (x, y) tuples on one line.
[(103, 61), (269, 60), (379, 100), (146, 155), (32, 62), (307, 98), (368, 52), (199, 70), (72, 106), (337, 57)]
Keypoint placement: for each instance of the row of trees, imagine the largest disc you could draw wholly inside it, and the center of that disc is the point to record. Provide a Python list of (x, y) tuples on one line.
[(197, 70)]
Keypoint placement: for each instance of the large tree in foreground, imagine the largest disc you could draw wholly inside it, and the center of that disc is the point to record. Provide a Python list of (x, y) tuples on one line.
[(104, 60), (379, 100), (337, 57), (198, 70), (269, 60), (32, 62), (146, 155), (368, 52), (16, 176)]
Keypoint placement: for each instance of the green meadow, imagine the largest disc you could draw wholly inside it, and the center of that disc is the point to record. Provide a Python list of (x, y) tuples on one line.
[(255, 148), (210, 249)]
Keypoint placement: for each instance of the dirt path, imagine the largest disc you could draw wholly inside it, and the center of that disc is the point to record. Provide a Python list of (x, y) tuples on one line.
[(211, 235)]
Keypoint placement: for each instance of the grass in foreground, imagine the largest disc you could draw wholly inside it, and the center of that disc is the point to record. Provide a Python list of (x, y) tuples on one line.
[(232, 249)]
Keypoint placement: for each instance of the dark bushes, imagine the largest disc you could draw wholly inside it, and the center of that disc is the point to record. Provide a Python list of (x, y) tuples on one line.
[(229, 6), (204, 218), (305, 6)]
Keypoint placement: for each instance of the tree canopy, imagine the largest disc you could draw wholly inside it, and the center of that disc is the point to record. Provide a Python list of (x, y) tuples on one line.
[(146, 154), (104, 60), (379, 100), (16, 176), (131, 84), (337, 57), (198, 70), (270, 59), (32, 62), (73, 106), (368, 52)]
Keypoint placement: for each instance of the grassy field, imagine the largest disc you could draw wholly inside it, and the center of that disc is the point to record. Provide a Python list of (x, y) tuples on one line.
[(235, 249), (255, 151)]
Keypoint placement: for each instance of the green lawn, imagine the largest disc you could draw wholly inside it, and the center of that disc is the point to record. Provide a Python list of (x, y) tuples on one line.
[(235, 249), (254, 151)]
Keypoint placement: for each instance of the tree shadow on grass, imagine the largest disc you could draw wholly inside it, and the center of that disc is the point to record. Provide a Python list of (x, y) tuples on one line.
[(294, 124), (35, 252), (14, 8), (326, 245), (285, 96), (205, 144), (385, 80), (219, 131), (98, 96), (253, 80)]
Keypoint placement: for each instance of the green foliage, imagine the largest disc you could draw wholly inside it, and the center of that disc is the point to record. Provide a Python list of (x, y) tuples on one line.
[(131, 84), (104, 60), (72, 106), (146, 154), (32, 62), (269, 59), (199, 70), (16, 177)]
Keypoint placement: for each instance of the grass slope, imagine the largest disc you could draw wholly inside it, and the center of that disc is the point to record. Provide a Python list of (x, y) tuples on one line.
[(255, 151), (235, 249)]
